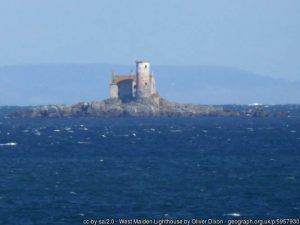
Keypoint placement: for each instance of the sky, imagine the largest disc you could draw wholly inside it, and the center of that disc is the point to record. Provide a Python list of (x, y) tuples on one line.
[(261, 36)]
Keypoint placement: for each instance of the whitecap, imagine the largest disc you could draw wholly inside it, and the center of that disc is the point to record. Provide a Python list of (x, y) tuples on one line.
[(134, 134), (101, 160), (233, 214), (9, 144), (104, 136), (293, 131), (25, 131), (81, 214), (72, 193), (85, 128), (204, 131), (56, 130), (255, 104), (37, 133)]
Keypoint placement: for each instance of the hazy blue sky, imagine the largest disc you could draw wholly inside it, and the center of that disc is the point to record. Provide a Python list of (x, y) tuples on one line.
[(261, 36)]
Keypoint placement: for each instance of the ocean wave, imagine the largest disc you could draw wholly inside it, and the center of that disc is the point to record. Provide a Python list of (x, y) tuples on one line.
[(233, 214), (9, 144)]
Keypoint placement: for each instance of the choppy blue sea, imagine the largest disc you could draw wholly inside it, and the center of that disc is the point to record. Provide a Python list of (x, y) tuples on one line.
[(62, 171)]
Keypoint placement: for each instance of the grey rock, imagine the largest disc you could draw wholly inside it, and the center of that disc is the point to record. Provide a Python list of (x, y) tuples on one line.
[(154, 106)]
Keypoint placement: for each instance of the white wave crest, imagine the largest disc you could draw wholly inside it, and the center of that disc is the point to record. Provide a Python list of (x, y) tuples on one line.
[(233, 214), (9, 144)]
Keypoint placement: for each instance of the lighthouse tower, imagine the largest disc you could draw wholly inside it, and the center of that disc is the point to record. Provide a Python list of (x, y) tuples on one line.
[(143, 79)]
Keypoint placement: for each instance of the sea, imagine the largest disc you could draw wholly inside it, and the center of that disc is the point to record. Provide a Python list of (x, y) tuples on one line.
[(92, 170)]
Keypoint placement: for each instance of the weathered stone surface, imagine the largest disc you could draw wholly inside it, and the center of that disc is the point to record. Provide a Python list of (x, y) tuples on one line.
[(144, 107)]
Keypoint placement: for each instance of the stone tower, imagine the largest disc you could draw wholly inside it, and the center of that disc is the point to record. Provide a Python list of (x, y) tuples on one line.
[(143, 79), (138, 85)]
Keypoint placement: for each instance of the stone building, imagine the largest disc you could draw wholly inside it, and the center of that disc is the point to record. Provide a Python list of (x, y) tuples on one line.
[(129, 87)]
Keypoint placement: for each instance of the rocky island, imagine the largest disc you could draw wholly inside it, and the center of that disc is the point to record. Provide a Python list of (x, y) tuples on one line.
[(135, 95), (146, 107)]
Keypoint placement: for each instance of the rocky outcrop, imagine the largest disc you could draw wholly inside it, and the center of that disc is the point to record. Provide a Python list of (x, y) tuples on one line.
[(154, 106), (145, 107)]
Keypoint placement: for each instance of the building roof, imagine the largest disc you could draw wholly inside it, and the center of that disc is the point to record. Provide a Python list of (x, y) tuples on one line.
[(142, 61), (117, 78)]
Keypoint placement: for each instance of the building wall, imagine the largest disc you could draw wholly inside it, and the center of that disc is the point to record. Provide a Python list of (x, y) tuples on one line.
[(153, 86), (134, 88), (114, 91), (125, 90), (143, 79)]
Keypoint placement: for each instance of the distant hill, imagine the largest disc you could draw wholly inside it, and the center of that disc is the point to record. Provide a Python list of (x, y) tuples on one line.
[(47, 84)]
